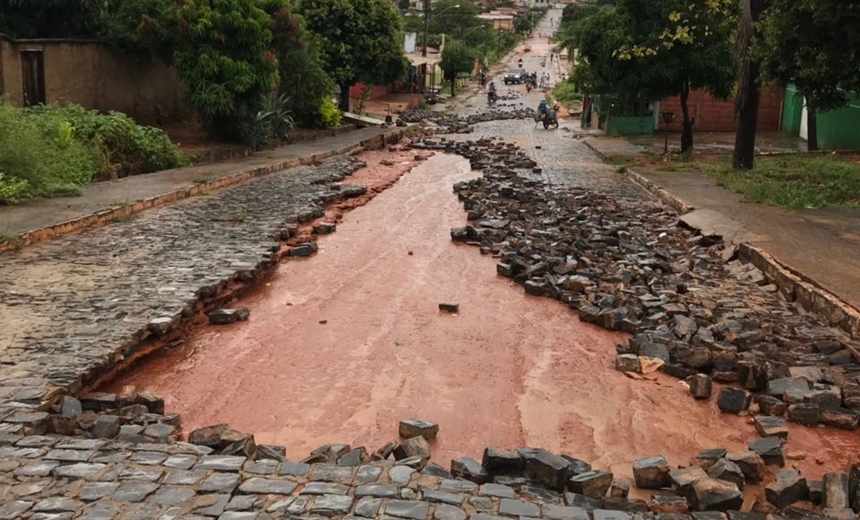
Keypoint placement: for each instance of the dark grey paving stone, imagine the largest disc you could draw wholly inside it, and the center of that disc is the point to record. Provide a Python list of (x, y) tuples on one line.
[(267, 486), (408, 509), (133, 491), (511, 507), (324, 488), (331, 504), (368, 507), (97, 490), (172, 495)]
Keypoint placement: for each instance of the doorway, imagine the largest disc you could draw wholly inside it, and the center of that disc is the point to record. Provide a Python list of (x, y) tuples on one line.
[(33, 72)]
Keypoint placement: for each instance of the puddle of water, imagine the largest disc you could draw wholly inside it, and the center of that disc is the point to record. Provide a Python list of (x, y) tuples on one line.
[(508, 370)]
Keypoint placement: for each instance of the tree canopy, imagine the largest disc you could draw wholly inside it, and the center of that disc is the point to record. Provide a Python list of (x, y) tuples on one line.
[(815, 45), (359, 40), (456, 58), (642, 51), (227, 78)]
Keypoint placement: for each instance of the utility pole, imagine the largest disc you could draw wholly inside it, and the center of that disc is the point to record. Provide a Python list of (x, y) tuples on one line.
[(426, 25)]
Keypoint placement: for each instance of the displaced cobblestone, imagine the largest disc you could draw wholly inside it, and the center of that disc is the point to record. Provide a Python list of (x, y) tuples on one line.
[(621, 261)]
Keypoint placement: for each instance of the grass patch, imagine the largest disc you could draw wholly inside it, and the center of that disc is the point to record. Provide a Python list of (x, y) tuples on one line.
[(795, 181), (678, 166), (122, 203), (14, 239)]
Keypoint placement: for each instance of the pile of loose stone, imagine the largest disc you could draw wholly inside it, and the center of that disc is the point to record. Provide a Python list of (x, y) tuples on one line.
[(123, 461), (625, 264), (446, 123)]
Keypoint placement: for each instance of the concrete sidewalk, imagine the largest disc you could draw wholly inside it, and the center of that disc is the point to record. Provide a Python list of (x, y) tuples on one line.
[(107, 201), (822, 245)]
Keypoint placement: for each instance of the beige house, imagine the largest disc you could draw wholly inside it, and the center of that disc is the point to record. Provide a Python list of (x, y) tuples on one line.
[(499, 21), (90, 74)]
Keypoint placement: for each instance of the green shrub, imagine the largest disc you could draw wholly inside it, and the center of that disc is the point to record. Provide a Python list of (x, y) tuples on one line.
[(41, 154), (221, 51), (329, 114), (52, 151), (121, 141), (11, 189)]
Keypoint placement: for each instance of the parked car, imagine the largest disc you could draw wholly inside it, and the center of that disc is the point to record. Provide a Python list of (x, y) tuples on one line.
[(515, 76)]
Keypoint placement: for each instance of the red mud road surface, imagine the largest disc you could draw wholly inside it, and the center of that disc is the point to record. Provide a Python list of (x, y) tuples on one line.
[(509, 370)]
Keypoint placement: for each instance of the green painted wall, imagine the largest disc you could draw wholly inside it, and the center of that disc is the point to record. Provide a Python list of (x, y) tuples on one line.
[(840, 129), (630, 125), (792, 112), (837, 129)]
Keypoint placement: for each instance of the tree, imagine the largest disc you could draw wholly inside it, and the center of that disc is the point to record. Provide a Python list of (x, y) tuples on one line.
[(749, 88), (643, 50), (360, 41), (815, 45), (303, 81), (50, 18), (456, 58), (227, 78), (124, 24)]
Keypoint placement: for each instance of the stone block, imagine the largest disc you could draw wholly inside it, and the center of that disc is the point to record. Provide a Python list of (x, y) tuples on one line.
[(750, 463), (469, 469), (752, 375), (769, 449), (843, 418), (498, 461), (592, 484), (785, 491), (545, 467), (414, 447), (836, 492), (209, 436), (701, 386), (416, 427), (706, 458), (628, 363), (708, 494), (668, 503), (769, 426), (651, 473), (729, 471), (228, 316), (804, 413), (770, 405), (680, 479), (733, 400)]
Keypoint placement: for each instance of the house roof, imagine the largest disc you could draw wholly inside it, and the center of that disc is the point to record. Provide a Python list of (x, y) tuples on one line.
[(417, 59)]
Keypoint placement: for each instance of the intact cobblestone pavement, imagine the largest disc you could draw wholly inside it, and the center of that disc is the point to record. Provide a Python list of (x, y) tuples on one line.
[(72, 303)]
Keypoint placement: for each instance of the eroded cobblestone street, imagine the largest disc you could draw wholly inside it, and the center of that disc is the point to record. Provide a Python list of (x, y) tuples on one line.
[(564, 309)]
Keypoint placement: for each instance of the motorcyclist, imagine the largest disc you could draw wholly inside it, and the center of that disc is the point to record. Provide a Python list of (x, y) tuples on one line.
[(543, 107), (491, 92), (483, 78)]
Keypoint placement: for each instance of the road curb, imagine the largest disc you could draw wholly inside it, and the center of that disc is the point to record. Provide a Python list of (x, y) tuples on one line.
[(110, 214), (797, 287), (794, 285)]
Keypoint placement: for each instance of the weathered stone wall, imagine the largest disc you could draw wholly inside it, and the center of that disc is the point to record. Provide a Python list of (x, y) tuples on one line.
[(95, 76)]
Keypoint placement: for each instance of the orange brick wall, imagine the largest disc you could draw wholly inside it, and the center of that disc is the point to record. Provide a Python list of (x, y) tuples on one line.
[(719, 116)]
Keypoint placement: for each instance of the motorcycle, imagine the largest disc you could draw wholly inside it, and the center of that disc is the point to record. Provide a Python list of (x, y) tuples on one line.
[(492, 97), (548, 118)]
